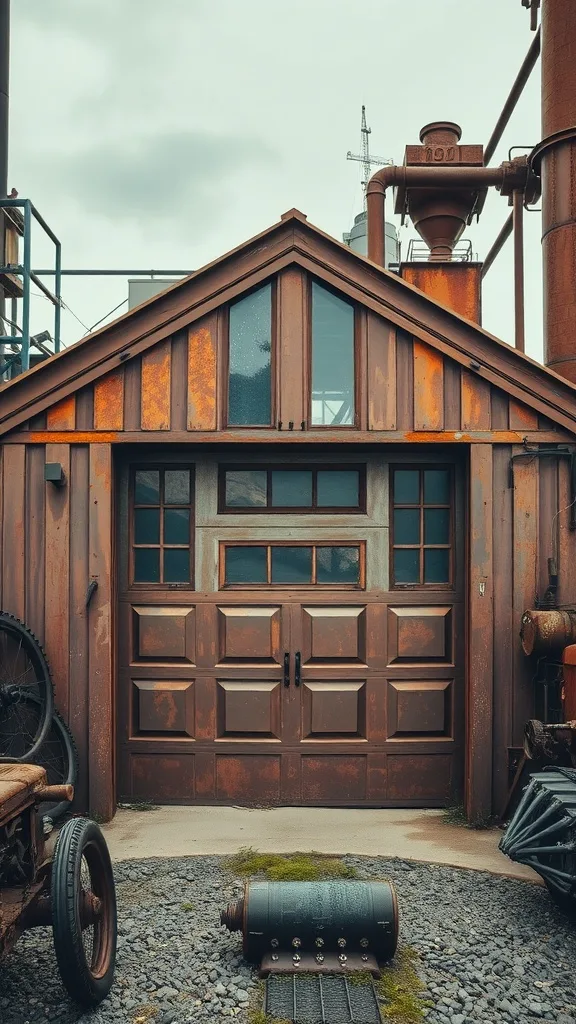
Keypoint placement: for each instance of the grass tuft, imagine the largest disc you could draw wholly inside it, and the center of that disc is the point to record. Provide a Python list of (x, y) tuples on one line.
[(400, 989), (188, 906), (144, 1014), (139, 805), (295, 867), (457, 816)]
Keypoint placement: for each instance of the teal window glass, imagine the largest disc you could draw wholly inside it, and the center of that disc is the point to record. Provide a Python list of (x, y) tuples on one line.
[(147, 526), (177, 486), (246, 488), (406, 487), (337, 565), (407, 526), (338, 488), (250, 354), (332, 359), (147, 565), (291, 565), (436, 565), (291, 488), (176, 565), (245, 564), (177, 526), (436, 525), (436, 487), (147, 487), (406, 565)]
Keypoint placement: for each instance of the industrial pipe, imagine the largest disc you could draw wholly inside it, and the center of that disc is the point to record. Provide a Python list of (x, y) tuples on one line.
[(515, 94), (509, 175), (500, 241), (556, 158), (518, 219)]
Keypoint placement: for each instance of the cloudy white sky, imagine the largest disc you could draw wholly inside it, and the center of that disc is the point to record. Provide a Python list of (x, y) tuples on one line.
[(162, 133)]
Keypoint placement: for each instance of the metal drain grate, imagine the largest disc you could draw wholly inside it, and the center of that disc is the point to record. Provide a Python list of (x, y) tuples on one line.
[(321, 999)]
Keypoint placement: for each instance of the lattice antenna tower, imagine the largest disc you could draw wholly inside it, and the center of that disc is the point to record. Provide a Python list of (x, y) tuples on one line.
[(364, 157)]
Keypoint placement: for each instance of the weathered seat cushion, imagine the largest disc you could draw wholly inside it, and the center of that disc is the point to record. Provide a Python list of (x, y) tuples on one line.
[(17, 784)]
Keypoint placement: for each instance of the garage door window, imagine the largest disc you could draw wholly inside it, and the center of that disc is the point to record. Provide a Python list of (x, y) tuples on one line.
[(421, 534), (281, 565), (161, 526)]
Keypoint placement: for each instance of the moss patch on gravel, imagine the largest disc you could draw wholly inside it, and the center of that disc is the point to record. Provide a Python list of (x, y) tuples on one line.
[(144, 1014), (294, 867), (401, 989)]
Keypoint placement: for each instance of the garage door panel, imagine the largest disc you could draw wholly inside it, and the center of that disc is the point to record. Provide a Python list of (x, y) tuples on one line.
[(334, 710), (426, 777), (162, 778), (420, 635), (248, 778), (420, 708), (248, 709), (249, 634), (333, 634), (163, 707), (163, 634), (334, 779)]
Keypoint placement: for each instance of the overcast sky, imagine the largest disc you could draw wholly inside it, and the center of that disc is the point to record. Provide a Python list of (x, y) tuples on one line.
[(162, 133)]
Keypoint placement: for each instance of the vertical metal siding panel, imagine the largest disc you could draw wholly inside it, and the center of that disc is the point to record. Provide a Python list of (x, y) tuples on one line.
[(452, 397), (404, 381), (381, 374), (521, 417), (428, 388), (79, 639), (132, 394), (13, 532), (109, 401), (201, 375), (57, 577), (547, 523), (179, 382), (505, 628), (475, 402), (499, 409), (525, 562), (156, 372), (566, 537), (85, 408), (101, 720), (62, 416), (1, 524), (38, 422), (292, 333), (35, 535), (481, 635)]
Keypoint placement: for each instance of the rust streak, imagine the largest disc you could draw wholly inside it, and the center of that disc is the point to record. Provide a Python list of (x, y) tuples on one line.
[(428, 388), (78, 437), (62, 416), (156, 372), (109, 402), (201, 380)]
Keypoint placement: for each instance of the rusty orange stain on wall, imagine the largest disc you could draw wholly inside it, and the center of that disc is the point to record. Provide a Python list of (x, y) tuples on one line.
[(109, 402), (455, 285), (62, 416), (428, 388), (201, 380), (521, 417), (80, 437), (475, 402), (156, 372)]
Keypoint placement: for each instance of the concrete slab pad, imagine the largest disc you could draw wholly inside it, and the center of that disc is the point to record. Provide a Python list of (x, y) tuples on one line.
[(419, 835)]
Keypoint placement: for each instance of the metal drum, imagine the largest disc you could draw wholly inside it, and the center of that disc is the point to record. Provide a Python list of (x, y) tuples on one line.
[(316, 917)]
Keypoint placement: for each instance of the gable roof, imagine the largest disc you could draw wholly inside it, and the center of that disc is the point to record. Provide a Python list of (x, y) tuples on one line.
[(291, 241)]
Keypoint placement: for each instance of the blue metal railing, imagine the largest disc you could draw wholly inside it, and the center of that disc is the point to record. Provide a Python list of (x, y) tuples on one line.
[(24, 270)]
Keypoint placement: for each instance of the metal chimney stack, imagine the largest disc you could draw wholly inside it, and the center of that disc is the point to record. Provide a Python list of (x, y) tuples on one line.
[(556, 157)]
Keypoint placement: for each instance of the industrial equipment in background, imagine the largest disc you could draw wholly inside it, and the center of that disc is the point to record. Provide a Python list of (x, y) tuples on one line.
[(357, 237), (317, 943)]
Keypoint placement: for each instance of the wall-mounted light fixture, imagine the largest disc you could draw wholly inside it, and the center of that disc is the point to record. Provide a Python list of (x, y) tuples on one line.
[(54, 474)]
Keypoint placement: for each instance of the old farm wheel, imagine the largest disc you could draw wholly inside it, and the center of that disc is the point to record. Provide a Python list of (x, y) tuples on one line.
[(84, 911), (24, 673)]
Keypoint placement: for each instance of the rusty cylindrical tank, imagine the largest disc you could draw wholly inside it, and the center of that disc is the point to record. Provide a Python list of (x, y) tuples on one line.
[(316, 917), (556, 158), (547, 631)]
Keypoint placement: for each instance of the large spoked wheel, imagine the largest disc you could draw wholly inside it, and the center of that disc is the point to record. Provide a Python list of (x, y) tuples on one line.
[(24, 674), (58, 755), (84, 911)]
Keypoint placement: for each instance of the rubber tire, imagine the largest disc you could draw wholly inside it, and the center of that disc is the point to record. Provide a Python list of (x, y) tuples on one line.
[(87, 988), (34, 646)]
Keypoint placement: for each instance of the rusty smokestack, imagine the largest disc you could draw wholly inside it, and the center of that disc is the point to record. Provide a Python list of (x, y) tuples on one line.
[(556, 157)]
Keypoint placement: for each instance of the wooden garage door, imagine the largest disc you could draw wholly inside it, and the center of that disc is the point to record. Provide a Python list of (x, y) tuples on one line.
[(320, 695)]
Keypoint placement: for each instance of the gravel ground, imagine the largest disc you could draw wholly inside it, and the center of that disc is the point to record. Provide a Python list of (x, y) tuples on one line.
[(492, 950)]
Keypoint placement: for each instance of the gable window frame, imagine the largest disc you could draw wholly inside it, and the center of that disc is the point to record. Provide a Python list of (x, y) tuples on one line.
[(356, 348), (274, 362)]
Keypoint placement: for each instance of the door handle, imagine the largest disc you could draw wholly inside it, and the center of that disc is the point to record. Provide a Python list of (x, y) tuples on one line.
[(286, 669), (298, 668)]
